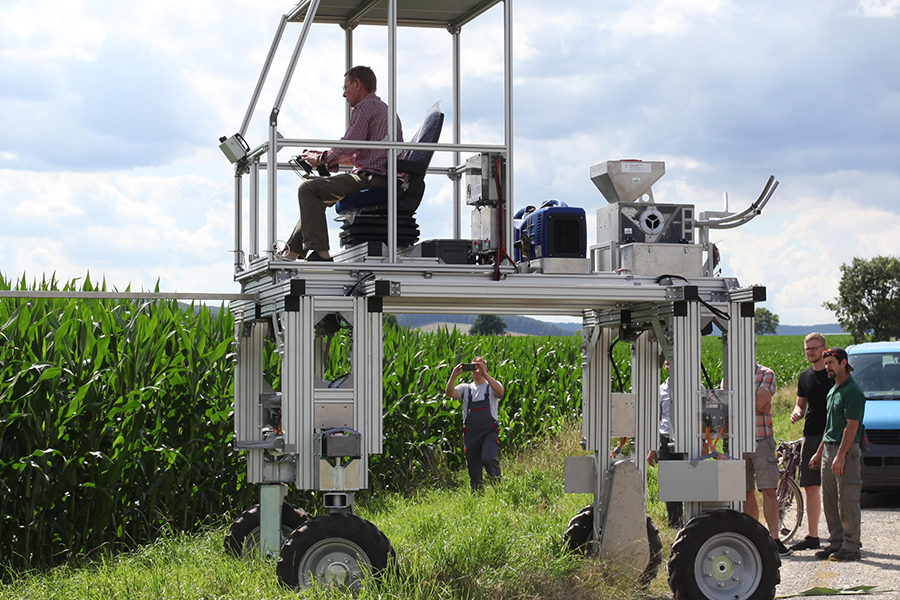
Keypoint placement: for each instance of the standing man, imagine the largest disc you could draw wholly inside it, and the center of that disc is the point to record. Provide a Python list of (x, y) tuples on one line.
[(839, 458), (762, 464), (813, 386), (480, 409), (368, 122), (675, 510)]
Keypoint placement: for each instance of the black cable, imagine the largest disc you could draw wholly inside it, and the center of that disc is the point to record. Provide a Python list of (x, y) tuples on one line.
[(613, 363)]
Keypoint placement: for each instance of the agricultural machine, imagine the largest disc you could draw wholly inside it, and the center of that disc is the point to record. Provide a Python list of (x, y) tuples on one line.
[(650, 280)]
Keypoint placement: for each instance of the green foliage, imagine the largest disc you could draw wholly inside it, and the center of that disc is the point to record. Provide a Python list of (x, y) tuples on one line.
[(488, 325), (115, 421), (868, 301), (503, 544), (423, 426), (766, 322)]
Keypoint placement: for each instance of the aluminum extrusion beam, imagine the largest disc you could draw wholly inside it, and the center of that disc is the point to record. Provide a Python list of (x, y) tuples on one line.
[(126, 295)]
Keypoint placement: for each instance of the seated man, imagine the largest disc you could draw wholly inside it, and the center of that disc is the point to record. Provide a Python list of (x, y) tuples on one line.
[(369, 122)]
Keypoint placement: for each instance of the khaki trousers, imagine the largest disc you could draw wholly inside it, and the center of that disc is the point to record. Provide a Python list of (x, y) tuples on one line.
[(840, 498), (311, 231)]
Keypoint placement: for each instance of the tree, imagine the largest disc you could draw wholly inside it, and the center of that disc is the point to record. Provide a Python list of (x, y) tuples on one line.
[(488, 325), (766, 322), (390, 321), (868, 299)]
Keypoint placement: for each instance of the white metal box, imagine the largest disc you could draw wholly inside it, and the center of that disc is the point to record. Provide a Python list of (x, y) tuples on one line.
[(658, 259), (702, 480)]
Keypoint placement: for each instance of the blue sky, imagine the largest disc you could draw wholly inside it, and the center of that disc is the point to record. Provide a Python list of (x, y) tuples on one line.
[(110, 114)]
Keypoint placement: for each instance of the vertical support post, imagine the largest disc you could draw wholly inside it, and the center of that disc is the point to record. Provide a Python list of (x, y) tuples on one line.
[(298, 389), (392, 132), (457, 131), (254, 210), (270, 498), (596, 415), (248, 385), (238, 208), (740, 376), (508, 96), (645, 385), (348, 64)]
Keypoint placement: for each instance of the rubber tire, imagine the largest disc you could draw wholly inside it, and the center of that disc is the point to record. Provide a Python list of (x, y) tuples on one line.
[(244, 532), (731, 534), (341, 537), (790, 511), (580, 533)]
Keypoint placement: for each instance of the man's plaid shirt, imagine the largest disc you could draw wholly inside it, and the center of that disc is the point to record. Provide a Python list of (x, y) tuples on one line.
[(368, 122), (765, 380)]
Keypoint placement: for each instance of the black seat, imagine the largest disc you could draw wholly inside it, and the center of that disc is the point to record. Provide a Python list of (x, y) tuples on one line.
[(364, 213)]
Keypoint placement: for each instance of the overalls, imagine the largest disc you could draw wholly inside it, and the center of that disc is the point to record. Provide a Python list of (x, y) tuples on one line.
[(481, 439)]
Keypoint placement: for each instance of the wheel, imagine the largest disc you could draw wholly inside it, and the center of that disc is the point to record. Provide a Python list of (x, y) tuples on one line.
[(722, 555), (334, 549), (790, 511), (580, 533), (243, 537)]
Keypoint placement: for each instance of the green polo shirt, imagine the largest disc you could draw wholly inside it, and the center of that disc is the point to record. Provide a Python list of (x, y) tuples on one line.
[(845, 401)]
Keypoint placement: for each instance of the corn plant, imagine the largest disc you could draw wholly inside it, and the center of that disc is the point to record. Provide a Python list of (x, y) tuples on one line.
[(115, 421)]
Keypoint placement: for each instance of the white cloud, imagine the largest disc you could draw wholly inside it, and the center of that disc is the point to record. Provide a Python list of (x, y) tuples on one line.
[(880, 8)]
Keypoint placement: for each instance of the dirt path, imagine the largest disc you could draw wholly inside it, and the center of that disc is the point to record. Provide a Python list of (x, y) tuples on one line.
[(880, 564)]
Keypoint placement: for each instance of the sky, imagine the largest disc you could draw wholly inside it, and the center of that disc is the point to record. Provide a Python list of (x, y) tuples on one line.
[(110, 114)]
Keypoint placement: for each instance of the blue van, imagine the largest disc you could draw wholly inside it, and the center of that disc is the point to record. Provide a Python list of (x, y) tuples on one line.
[(876, 367)]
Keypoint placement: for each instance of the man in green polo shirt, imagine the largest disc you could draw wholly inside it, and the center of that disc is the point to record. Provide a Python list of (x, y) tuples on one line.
[(839, 458)]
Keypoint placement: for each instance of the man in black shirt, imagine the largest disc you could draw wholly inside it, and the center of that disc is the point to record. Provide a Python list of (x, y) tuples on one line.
[(813, 385)]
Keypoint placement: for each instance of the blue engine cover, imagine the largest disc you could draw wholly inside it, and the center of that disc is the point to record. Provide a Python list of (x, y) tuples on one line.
[(553, 230)]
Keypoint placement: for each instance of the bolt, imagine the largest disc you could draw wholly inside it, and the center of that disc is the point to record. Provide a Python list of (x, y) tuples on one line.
[(737, 561), (709, 557), (725, 551), (708, 574), (735, 578), (721, 584)]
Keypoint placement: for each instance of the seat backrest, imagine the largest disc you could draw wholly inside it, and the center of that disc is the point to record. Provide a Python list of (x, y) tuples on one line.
[(413, 164), (429, 132)]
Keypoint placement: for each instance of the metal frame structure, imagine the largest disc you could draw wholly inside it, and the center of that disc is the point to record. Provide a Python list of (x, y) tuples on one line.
[(657, 312)]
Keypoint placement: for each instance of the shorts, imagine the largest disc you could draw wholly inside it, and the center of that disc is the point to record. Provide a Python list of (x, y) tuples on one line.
[(762, 465), (809, 477)]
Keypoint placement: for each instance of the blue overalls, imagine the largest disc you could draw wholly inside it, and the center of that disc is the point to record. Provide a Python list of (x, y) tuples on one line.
[(481, 438)]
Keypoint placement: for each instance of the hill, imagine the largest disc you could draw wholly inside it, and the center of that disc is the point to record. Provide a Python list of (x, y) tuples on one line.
[(514, 324)]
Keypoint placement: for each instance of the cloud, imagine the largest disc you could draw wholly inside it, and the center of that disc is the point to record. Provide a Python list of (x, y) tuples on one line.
[(111, 111)]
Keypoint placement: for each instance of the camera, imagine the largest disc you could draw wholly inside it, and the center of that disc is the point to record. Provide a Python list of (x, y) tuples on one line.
[(468, 367)]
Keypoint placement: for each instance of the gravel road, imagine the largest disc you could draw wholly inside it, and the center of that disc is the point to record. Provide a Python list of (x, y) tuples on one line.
[(880, 564)]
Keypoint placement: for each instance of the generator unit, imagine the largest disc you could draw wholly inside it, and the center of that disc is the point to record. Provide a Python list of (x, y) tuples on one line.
[(553, 230)]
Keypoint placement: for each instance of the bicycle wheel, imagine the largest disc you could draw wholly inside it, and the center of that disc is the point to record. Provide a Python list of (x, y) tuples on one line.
[(790, 511)]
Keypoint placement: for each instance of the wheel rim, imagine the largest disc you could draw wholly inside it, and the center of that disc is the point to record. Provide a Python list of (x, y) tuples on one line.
[(728, 566), (250, 547), (334, 561)]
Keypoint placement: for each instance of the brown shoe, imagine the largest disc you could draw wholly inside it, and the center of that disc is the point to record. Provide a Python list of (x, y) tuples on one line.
[(828, 551), (807, 543), (843, 555)]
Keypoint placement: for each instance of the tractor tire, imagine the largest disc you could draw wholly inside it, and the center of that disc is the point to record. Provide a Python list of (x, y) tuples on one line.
[(335, 549), (579, 537), (242, 539), (724, 554)]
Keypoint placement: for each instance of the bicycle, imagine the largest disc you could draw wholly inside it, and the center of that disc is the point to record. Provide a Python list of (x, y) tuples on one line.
[(790, 498)]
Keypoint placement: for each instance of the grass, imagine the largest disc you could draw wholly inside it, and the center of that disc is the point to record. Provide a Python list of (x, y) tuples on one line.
[(502, 544), (451, 543)]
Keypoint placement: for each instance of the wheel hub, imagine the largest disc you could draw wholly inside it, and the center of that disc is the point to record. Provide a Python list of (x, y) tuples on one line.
[(334, 561), (728, 567)]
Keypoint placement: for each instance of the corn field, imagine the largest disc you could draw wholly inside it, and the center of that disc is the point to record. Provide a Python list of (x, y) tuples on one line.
[(115, 421)]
